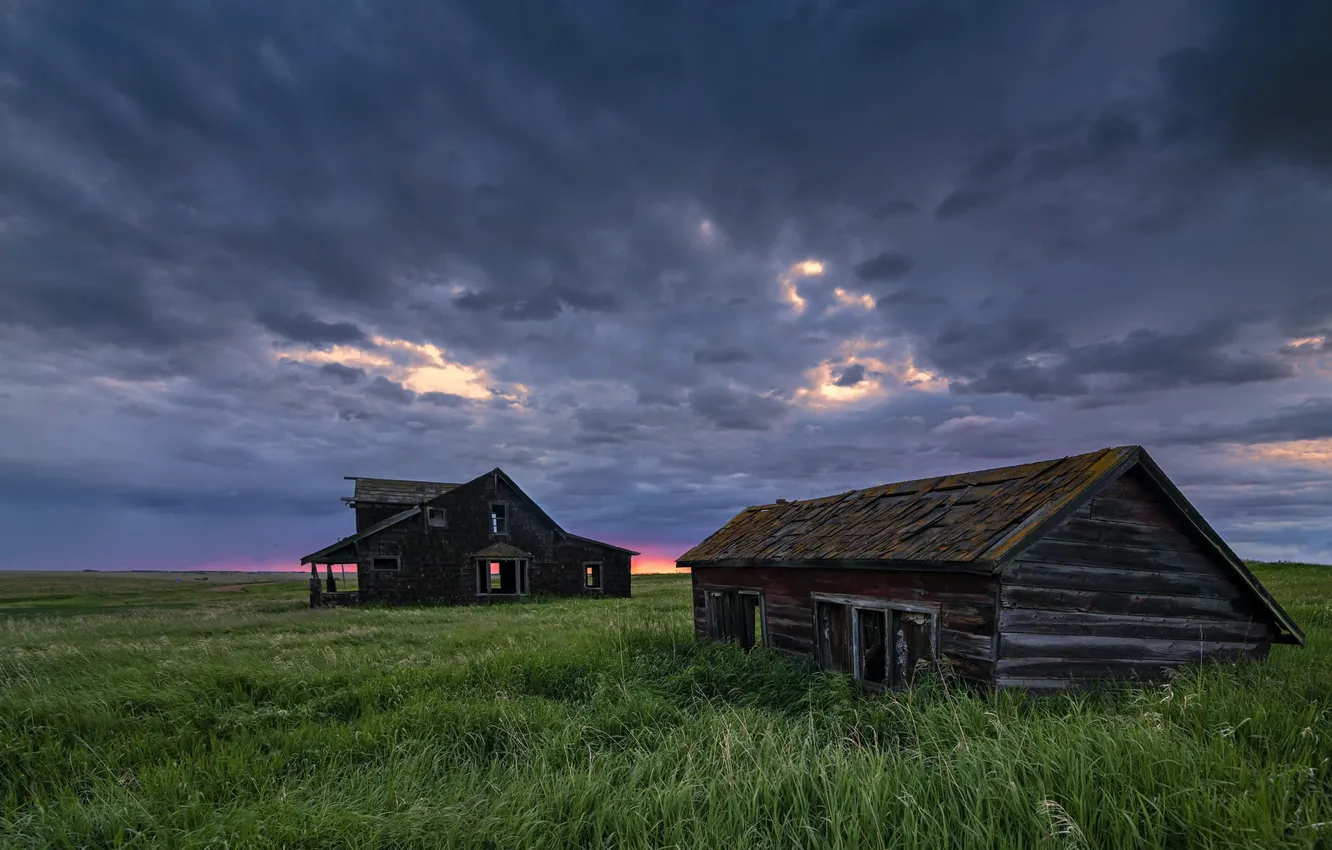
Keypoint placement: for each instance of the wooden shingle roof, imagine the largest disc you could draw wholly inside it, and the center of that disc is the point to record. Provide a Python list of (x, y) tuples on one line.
[(395, 491), (963, 519)]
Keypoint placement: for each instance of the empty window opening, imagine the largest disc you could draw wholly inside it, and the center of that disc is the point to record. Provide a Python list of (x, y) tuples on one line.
[(501, 578), (592, 575), (873, 649), (387, 562), (499, 519), (880, 644), (437, 518), (736, 615)]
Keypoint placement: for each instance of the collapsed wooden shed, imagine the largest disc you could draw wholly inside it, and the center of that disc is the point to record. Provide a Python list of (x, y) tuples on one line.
[(1042, 575)]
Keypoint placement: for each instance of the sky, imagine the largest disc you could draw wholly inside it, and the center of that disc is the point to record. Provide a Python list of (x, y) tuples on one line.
[(656, 261)]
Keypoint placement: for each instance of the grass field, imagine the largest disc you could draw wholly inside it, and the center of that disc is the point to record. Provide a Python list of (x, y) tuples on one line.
[(138, 711)]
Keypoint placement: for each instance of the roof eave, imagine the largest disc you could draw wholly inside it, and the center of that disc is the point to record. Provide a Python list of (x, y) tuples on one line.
[(977, 567)]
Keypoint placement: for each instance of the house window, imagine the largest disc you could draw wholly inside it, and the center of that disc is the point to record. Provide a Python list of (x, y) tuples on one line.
[(879, 643), (437, 518), (386, 562), (501, 578), (736, 615), (592, 575), (499, 518)]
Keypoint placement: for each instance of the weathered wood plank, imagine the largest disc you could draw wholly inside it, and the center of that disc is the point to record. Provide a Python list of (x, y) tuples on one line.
[(1129, 558), (1032, 684), (978, 647), (1022, 645), (1133, 510), (790, 643), (1085, 668), (1056, 622), (1084, 577), (1105, 533), (1109, 602)]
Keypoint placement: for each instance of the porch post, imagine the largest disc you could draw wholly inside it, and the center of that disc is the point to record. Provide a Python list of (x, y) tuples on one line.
[(314, 585)]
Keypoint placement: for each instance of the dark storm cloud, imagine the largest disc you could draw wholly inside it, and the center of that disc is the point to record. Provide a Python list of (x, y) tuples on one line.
[(302, 327), (1144, 359), (894, 209), (961, 202), (344, 374), (1261, 84), (850, 376), (887, 265), (724, 354), (391, 391), (993, 162), (1308, 420), (736, 410)]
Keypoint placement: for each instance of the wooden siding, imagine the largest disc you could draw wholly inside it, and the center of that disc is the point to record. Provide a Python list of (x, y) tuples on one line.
[(435, 563), (966, 601), (1121, 588)]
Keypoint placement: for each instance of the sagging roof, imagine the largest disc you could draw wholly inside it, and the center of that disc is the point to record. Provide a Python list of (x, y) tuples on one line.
[(394, 491), (344, 551), (967, 518)]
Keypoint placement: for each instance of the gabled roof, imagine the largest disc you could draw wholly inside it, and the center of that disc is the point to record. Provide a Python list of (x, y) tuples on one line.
[(537, 509), (964, 519), (335, 555), (394, 491)]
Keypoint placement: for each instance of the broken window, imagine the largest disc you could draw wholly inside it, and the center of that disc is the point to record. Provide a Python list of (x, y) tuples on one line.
[(436, 518), (878, 643), (499, 519), (592, 575), (872, 651), (385, 562), (736, 615), (913, 642), (501, 578)]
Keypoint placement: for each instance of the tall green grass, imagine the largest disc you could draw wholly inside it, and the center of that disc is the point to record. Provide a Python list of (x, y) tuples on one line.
[(254, 722)]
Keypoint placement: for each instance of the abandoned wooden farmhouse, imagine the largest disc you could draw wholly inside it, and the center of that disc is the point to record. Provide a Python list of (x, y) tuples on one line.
[(485, 540), (1040, 575)]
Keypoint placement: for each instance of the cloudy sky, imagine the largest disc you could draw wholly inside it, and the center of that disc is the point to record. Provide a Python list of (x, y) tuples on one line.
[(657, 261)]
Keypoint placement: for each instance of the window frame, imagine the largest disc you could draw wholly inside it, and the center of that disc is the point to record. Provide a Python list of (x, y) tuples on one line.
[(856, 604), (499, 528), (600, 576), (485, 585), (430, 520), (396, 559), (761, 635)]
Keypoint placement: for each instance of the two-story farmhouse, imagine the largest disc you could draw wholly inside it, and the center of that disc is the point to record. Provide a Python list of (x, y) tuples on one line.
[(484, 540), (1040, 575)]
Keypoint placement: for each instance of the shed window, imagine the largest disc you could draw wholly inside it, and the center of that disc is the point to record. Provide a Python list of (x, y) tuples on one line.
[(499, 518), (736, 615), (592, 575), (386, 562), (879, 643), (437, 518), (501, 578)]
